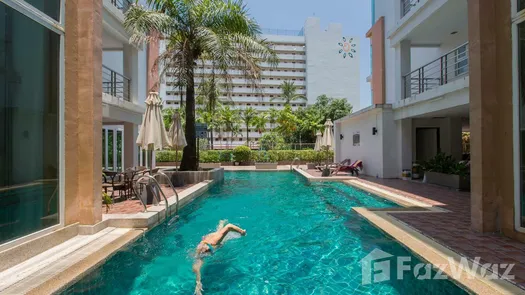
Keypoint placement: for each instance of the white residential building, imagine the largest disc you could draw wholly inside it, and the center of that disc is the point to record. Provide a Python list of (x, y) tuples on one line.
[(420, 86), (317, 60), (124, 74)]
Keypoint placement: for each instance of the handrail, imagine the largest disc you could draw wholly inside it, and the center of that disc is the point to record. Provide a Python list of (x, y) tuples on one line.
[(446, 68), (160, 189), (116, 84), (291, 165), (173, 188)]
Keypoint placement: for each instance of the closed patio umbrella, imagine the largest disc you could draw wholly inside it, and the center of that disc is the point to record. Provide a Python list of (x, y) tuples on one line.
[(328, 135), (176, 135), (318, 139), (152, 133)]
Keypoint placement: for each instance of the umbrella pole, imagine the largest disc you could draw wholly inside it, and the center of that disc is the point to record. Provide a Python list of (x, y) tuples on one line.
[(176, 158)]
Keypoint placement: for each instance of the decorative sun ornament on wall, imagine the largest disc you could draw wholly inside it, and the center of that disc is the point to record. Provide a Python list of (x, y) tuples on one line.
[(347, 48)]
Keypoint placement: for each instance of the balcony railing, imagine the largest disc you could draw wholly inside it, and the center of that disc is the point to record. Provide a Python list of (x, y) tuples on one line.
[(122, 5), (441, 71), (115, 84), (406, 6)]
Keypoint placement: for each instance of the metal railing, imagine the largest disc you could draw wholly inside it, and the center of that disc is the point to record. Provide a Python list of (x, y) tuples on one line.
[(406, 6), (115, 84), (122, 5), (441, 71)]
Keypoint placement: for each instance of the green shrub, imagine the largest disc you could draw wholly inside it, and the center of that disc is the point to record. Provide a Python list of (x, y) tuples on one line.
[(271, 141), (242, 153), (443, 163), (168, 156)]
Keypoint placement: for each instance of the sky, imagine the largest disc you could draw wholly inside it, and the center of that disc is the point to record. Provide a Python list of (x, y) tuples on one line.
[(354, 15)]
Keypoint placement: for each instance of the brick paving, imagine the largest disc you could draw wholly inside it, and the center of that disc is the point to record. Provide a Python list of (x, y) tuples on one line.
[(135, 206), (453, 229)]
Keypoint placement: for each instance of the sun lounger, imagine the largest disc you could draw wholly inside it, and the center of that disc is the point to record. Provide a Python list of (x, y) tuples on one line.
[(354, 168)]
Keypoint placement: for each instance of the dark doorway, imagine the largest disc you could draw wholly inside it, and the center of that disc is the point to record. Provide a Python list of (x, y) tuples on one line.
[(427, 143)]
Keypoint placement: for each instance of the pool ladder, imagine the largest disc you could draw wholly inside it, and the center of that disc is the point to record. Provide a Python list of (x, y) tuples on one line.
[(157, 195), (291, 165)]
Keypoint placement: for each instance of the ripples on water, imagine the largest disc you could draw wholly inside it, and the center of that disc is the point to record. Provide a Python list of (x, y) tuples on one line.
[(302, 239)]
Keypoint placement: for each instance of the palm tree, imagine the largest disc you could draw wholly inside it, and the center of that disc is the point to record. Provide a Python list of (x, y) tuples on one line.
[(217, 29), (260, 122), (289, 95), (273, 114), (208, 97), (207, 117), (230, 120), (248, 116)]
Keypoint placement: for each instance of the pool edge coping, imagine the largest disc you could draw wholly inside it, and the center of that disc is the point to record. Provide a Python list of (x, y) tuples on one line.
[(435, 253)]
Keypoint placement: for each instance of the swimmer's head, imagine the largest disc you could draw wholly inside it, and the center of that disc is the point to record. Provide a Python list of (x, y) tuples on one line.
[(203, 248)]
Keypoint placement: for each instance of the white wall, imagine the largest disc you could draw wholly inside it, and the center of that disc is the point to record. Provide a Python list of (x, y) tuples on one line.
[(449, 134), (327, 71), (378, 152)]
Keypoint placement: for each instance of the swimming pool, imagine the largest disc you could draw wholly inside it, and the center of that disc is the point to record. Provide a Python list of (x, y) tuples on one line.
[(302, 239)]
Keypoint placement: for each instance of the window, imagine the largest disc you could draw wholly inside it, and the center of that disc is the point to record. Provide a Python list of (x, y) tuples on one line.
[(29, 123), (49, 7), (356, 139), (521, 5), (461, 59)]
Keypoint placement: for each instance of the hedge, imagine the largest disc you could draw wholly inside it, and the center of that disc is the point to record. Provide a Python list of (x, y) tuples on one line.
[(257, 156)]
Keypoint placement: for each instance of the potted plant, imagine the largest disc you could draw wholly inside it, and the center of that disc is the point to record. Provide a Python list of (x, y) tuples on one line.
[(264, 161), (446, 171), (107, 201), (242, 155)]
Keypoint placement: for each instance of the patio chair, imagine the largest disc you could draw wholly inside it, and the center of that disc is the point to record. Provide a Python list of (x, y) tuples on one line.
[(333, 166), (354, 168)]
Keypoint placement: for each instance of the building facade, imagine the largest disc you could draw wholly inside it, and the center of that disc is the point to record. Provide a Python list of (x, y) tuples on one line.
[(318, 61), (61, 102), (441, 68)]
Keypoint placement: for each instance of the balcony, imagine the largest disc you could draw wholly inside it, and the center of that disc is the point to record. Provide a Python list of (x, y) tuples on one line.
[(444, 70), (115, 84), (122, 5)]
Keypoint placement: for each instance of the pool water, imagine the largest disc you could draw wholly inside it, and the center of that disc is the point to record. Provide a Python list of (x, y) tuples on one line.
[(302, 239)]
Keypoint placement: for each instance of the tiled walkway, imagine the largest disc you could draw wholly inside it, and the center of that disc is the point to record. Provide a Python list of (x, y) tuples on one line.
[(135, 206), (453, 229)]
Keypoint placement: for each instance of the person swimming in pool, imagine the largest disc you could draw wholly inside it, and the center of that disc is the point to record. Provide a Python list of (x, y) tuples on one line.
[(208, 245)]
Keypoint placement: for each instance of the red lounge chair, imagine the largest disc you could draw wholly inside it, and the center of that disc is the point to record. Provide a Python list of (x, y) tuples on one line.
[(334, 166), (354, 168)]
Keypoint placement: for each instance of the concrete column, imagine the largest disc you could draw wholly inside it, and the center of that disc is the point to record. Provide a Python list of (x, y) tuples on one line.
[(153, 71), (404, 128), (131, 151), (131, 70), (456, 142), (337, 142), (83, 112), (492, 196), (403, 67)]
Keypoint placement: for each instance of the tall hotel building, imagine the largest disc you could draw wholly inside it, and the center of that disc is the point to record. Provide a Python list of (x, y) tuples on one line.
[(317, 60)]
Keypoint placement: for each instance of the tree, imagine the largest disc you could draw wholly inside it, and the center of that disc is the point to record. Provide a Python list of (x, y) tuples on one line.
[(273, 114), (332, 108), (287, 122), (230, 120), (289, 94), (220, 30), (167, 116), (248, 116), (260, 122), (207, 117), (208, 97)]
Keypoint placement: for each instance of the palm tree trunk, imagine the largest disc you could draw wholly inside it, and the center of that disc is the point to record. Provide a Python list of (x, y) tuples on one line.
[(211, 138), (247, 136), (189, 157)]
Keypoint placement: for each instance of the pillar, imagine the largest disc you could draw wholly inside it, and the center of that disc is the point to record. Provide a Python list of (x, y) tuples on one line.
[(403, 67), (83, 112), (490, 50), (153, 71), (131, 70), (404, 128), (131, 150), (456, 137)]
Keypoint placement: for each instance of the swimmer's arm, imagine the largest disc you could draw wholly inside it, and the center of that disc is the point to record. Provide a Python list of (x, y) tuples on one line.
[(231, 227), (197, 270)]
